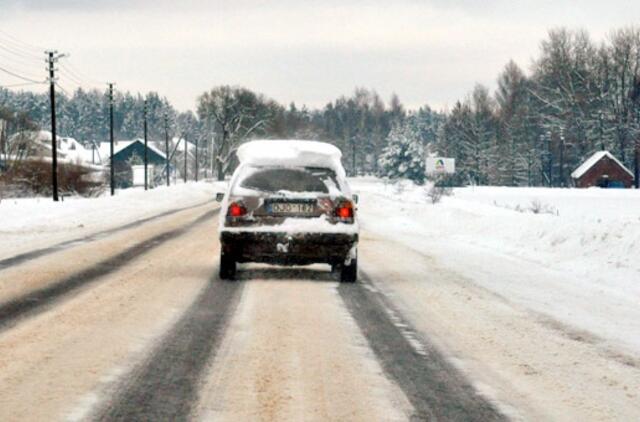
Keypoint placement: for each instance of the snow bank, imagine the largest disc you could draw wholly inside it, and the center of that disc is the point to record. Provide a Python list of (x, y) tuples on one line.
[(32, 223), (577, 259)]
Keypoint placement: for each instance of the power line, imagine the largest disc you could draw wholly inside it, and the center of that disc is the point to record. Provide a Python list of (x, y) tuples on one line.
[(16, 51), (21, 69), (19, 61), (63, 89), (78, 78), (20, 53), (18, 64), (13, 40), (24, 78), (72, 70), (22, 84), (76, 81), (64, 70)]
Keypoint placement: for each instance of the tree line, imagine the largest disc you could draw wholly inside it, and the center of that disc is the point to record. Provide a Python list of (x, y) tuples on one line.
[(578, 96)]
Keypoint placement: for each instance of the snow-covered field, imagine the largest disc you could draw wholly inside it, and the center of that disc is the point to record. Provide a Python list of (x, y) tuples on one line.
[(32, 223), (577, 262)]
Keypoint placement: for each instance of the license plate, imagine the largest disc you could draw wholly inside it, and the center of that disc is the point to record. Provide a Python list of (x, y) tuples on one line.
[(291, 208)]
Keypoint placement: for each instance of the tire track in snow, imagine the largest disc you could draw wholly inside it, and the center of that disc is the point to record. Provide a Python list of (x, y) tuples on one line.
[(165, 386), (435, 388), (38, 301)]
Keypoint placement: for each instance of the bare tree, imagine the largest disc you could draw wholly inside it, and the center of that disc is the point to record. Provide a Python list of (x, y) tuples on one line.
[(624, 69), (236, 113)]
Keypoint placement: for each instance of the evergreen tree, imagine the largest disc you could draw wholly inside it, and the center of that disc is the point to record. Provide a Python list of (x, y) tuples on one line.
[(404, 155)]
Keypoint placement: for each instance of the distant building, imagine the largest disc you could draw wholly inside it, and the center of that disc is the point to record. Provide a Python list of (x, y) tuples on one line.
[(37, 144), (26, 162), (604, 170), (128, 160), (128, 156), (126, 151)]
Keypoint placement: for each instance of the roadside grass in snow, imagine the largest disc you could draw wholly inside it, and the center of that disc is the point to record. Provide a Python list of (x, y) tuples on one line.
[(535, 206)]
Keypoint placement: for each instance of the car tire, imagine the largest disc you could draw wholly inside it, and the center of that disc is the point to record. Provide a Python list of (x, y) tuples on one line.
[(335, 267), (227, 267), (349, 273)]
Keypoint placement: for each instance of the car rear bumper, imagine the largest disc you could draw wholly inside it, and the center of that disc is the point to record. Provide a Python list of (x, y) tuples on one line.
[(287, 248)]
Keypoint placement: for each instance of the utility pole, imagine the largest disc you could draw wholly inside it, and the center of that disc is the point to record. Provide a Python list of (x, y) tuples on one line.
[(635, 97), (212, 159), (208, 146), (196, 159), (562, 145), (206, 157), (549, 160), (353, 156), (146, 184), (636, 179), (112, 170), (186, 151), (204, 162), (52, 57), (166, 144), (3, 142)]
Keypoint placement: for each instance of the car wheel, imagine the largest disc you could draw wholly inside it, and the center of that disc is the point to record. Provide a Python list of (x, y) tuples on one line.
[(335, 267), (227, 267), (349, 273)]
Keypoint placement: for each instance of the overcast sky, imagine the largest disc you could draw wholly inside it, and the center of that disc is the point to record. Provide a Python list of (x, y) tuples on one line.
[(427, 51)]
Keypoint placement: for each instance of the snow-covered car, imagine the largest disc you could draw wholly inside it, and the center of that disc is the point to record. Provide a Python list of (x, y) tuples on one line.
[(288, 203)]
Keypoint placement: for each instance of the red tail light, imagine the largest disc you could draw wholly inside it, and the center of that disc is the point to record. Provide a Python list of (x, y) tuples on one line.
[(344, 210), (236, 210)]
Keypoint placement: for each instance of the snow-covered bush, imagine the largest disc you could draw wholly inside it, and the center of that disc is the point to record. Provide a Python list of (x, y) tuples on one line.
[(538, 207), (440, 187), (33, 178), (403, 157), (435, 193), (535, 207), (398, 187)]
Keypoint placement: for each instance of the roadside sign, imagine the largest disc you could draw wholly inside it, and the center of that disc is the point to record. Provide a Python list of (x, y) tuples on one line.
[(440, 165)]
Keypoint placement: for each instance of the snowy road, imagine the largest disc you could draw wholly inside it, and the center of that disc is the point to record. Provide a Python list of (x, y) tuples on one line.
[(136, 325)]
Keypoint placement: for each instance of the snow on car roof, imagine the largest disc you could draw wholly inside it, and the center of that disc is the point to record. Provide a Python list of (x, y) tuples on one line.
[(291, 153)]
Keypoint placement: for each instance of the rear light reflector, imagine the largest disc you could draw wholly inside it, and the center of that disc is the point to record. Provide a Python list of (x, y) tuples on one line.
[(344, 210), (236, 210)]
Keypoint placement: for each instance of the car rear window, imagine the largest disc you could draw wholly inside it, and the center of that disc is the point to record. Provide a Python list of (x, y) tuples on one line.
[(306, 179)]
